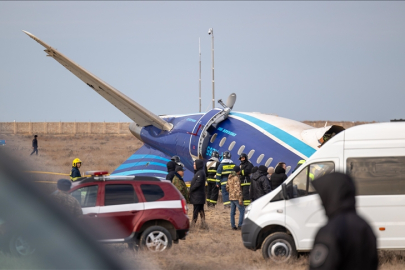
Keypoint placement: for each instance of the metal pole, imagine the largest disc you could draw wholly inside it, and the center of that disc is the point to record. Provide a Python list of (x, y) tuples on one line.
[(212, 56), (199, 49)]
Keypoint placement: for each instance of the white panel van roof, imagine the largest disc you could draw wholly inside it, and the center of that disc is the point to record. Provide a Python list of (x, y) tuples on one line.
[(378, 131)]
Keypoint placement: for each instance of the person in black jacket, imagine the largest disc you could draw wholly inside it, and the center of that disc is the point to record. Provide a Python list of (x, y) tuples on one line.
[(197, 191), (346, 241), (35, 145), (171, 167), (260, 184), (279, 176), (245, 170)]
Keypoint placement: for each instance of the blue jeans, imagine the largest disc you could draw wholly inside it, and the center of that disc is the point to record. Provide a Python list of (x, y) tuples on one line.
[(225, 195), (241, 209)]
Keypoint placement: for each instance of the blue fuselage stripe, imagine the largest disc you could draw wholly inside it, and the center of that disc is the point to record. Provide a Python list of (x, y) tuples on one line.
[(139, 172), (280, 134), (134, 157), (139, 163)]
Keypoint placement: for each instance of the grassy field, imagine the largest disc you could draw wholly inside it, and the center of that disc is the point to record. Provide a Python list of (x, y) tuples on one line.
[(215, 247)]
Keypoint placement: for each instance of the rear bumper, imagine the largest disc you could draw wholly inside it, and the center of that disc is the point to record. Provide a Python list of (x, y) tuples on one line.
[(250, 231)]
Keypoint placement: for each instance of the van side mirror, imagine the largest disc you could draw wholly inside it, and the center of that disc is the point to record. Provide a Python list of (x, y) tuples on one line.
[(284, 192)]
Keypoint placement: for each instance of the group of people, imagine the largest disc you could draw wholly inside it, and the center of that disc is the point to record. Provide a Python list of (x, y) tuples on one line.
[(239, 184)]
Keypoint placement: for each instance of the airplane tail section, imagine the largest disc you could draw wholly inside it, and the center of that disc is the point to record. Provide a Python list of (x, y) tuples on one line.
[(130, 108)]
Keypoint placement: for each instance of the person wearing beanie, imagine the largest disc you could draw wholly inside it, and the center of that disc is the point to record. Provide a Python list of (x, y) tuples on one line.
[(234, 188), (178, 182), (65, 200), (279, 176), (197, 192), (270, 171), (255, 168), (260, 184)]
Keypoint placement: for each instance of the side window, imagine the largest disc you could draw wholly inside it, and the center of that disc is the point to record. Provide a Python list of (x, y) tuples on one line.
[(301, 184), (87, 196), (378, 175), (152, 192), (119, 194)]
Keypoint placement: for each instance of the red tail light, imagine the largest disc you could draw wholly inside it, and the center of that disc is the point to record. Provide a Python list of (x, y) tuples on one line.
[(184, 206)]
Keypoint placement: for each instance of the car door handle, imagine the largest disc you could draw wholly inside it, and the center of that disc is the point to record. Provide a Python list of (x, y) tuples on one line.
[(134, 211), (280, 211), (92, 215)]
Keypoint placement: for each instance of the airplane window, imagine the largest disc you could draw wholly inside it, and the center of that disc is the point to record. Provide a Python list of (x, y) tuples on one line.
[(260, 158), (268, 162), (251, 153), (222, 142), (288, 169), (241, 149), (213, 137), (231, 145)]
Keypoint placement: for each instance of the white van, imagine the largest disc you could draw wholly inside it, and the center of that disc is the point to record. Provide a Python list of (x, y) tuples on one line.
[(285, 221)]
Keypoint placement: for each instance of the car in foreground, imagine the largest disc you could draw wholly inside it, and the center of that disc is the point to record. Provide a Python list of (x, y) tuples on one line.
[(143, 211)]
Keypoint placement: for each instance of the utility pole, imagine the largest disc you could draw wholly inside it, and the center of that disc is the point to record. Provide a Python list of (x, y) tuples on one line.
[(199, 50), (211, 32)]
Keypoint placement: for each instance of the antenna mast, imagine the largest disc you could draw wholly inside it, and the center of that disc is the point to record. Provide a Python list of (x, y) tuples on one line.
[(211, 32), (199, 50)]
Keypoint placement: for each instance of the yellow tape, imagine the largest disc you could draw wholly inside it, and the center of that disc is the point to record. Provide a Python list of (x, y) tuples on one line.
[(47, 173)]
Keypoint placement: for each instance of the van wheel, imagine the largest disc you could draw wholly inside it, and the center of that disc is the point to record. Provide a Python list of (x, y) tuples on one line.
[(156, 239), (19, 246), (279, 247)]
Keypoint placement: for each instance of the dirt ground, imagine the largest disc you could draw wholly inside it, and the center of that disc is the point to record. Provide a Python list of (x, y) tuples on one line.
[(215, 247)]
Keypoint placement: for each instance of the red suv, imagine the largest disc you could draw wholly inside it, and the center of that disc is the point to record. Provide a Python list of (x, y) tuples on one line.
[(138, 210)]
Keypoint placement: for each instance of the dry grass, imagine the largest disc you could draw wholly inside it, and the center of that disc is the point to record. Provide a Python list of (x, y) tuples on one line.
[(217, 247)]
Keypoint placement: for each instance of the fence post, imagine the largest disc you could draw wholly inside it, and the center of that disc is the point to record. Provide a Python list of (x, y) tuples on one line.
[(15, 127)]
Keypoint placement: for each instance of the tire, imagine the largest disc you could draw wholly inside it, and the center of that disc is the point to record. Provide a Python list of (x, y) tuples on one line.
[(279, 247), (156, 239), (20, 247)]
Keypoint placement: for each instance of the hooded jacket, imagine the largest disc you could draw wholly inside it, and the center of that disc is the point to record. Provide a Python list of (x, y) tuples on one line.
[(197, 185), (171, 168), (346, 241), (278, 177), (259, 185)]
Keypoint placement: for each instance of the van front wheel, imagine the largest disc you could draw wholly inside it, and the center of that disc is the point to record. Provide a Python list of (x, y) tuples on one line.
[(279, 247)]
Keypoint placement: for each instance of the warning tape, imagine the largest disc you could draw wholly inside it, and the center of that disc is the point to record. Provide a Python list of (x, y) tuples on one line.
[(48, 173)]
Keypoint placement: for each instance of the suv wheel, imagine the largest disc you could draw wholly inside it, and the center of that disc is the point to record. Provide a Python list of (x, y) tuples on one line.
[(19, 246), (279, 247), (156, 239)]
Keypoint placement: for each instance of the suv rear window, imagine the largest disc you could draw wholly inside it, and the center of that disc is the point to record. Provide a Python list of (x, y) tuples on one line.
[(119, 194), (152, 192)]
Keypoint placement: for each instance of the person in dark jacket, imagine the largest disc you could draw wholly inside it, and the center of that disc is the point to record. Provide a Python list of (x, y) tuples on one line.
[(279, 176), (346, 241), (260, 184), (171, 167), (245, 170), (197, 191), (35, 145)]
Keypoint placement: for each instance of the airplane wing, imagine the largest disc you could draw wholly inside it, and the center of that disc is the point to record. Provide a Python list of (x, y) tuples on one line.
[(130, 108), (149, 162)]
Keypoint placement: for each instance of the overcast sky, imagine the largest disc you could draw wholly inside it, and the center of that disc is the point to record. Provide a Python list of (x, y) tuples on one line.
[(301, 60)]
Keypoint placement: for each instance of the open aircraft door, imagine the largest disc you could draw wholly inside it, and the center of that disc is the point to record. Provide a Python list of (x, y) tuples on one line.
[(200, 136)]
